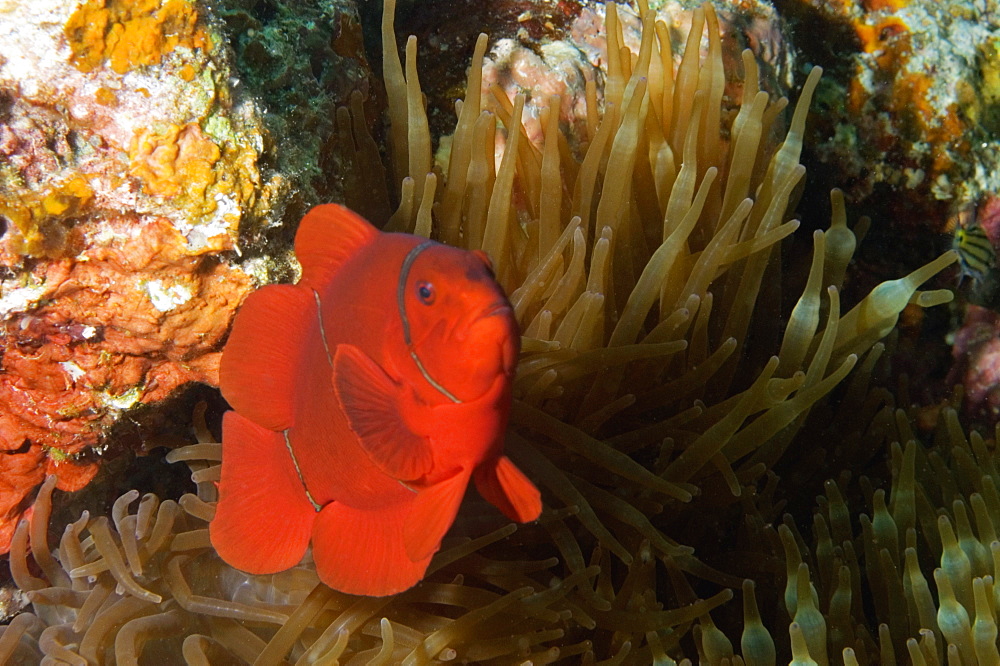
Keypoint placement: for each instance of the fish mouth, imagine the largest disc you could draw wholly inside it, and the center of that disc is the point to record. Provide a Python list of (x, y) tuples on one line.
[(503, 308), (498, 324)]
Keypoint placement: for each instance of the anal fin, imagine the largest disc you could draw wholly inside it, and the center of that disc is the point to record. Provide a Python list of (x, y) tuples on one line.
[(263, 520)]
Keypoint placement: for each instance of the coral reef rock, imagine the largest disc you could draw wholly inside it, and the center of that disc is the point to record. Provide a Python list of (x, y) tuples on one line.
[(132, 164), (911, 105)]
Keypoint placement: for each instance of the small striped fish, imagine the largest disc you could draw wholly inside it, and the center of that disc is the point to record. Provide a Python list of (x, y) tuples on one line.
[(976, 255)]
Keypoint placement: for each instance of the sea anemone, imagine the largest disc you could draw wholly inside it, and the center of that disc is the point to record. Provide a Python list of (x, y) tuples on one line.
[(861, 590), (146, 585), (654, 398), (640, 273)]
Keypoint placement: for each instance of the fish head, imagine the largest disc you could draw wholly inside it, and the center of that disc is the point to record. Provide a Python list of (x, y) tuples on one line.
[(459, 327)]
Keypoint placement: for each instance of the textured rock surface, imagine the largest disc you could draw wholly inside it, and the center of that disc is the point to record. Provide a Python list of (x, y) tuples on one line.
[(141, 199), (911, 99)]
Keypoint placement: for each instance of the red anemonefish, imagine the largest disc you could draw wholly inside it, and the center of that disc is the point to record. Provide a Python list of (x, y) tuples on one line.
[(365, 397)]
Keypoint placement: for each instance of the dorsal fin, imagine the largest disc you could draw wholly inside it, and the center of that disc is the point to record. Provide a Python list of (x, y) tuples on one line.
[(265, 348), (328, 236)]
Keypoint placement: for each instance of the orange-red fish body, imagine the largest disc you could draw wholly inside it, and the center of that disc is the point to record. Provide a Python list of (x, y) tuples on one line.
[(366, 396)]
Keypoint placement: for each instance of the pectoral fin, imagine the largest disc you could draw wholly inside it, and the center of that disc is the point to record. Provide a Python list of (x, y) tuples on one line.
[(508, 489), (371, 401), (431, 514)]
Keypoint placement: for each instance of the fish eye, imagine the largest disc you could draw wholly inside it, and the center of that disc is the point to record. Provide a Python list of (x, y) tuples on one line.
[(425, 292)]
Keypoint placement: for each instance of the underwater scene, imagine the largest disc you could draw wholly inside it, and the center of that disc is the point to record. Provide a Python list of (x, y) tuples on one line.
[(499, 332)]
